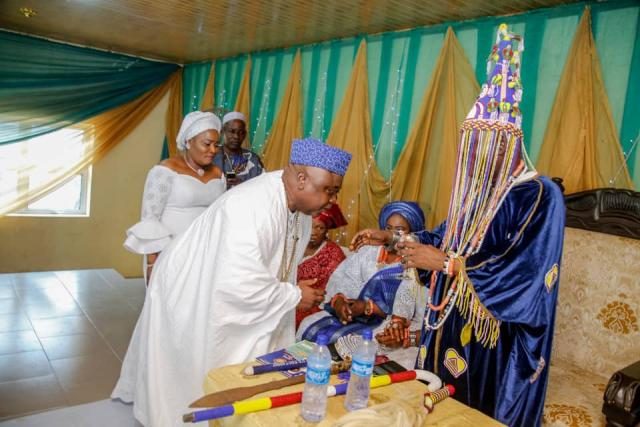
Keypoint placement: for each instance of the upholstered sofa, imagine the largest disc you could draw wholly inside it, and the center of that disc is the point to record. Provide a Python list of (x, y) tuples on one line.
[(598, 314)]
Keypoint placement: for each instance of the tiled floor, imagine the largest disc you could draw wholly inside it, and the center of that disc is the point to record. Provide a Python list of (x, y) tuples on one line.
[(63, 336)]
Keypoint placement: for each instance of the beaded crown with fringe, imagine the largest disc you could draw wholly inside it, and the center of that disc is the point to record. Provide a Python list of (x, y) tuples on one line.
[(491, 158)]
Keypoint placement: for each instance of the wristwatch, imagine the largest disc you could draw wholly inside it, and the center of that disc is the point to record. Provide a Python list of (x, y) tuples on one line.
[(445, 266), (413, 338)]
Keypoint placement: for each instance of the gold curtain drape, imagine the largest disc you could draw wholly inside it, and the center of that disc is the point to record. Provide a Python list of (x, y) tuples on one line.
[(173, 117), (581, 144), (243, 100), (207, 101), (364, 190), (288, 122), (426, 167), (106, 130)]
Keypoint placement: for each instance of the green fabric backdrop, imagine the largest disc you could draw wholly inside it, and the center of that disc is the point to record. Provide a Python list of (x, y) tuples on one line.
[(194, 82), (400, 65), (46, 86)]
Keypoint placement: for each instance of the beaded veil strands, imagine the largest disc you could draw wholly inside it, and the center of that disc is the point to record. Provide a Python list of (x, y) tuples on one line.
[(489, 160)]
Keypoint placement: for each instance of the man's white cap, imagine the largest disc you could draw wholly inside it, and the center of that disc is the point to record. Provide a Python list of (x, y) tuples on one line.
[(234, 115)]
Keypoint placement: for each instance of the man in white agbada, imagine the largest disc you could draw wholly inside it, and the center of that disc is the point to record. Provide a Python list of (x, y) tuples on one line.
[(225, 291)]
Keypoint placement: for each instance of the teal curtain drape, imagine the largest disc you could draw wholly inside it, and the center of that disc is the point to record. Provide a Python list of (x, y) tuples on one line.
[(400, 65), (269, 76), (227, 81), (326, 69), (194, 82), (45, 86), (630, 125)]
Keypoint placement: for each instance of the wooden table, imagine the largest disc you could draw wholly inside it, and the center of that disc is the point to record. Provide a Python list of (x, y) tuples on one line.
[(447, 413)]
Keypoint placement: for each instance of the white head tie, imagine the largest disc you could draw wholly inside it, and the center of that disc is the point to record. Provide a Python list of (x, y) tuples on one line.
[(194, 123), (234, 115)]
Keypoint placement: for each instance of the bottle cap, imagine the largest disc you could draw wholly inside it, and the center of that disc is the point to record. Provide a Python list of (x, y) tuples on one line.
[(367, 334), (322, 339)]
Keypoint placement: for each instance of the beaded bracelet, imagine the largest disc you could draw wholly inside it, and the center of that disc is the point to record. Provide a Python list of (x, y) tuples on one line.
[(368, 310), (452, 262), (449, 264)]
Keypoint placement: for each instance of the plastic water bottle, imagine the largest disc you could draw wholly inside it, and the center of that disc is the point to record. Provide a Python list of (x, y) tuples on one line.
[(361, 369), (314, 396)]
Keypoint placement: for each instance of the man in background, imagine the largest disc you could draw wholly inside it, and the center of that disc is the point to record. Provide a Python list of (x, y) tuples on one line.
[(238, 164)]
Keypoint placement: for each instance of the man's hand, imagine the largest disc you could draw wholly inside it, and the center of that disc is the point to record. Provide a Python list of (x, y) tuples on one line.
[(424, 257), (370, 237), (307, 282), (151, 260), (311, 297), (149, 271), (232, 182)]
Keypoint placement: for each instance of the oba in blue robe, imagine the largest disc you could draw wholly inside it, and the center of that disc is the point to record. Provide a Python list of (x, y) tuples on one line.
[(503, 372)]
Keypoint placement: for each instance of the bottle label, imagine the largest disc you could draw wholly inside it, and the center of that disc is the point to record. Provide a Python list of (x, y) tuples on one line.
[(360, 368), (317, 376)]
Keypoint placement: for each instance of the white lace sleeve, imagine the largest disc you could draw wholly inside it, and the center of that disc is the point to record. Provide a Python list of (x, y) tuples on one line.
[(410, 303), (404, 304), (353, 273), (149, 235), (420, 307)]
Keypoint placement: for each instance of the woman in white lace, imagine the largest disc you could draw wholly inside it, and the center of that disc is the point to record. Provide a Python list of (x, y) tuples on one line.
[(178, 189)]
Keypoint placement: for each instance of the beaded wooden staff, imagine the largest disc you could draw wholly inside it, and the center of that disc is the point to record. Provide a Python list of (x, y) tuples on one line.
[(431, 398), (264, 403), (241, 393)]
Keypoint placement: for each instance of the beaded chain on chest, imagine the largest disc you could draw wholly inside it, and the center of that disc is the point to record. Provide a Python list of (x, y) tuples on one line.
[(285, 267), (237, 163)]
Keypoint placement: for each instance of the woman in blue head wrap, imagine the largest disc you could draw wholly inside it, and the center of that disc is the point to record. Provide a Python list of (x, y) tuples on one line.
[(368, 287), (408, 212)]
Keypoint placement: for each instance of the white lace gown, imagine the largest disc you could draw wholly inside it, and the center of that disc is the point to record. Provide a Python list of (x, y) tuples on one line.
[(170, 203)]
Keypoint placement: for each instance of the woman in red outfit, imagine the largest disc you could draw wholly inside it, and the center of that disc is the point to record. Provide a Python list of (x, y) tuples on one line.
[(322, 255)]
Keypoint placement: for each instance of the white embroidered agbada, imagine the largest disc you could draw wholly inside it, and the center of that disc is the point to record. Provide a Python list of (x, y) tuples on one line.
[(215, 298)]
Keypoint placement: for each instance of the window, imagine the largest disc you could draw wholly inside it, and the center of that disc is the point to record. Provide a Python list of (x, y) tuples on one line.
[(69, 199), (29, 165)]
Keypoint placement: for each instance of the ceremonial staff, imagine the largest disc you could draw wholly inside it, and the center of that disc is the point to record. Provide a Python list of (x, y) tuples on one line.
[(264, 403)]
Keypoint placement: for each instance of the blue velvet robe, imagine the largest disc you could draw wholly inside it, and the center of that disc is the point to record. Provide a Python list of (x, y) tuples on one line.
[(515, 276)]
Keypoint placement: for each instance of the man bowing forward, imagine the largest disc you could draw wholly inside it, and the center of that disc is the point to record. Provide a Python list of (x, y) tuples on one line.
[(225, 291)]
